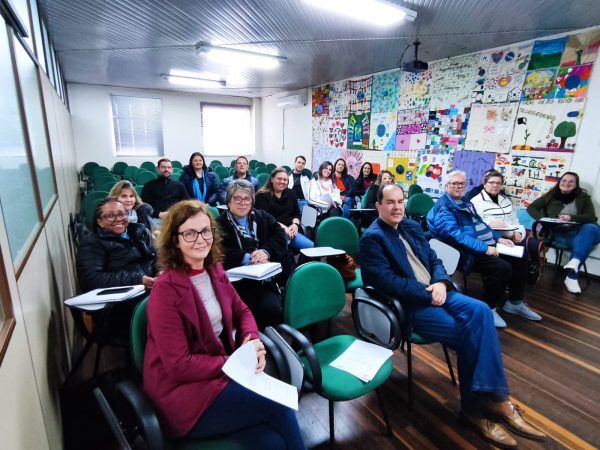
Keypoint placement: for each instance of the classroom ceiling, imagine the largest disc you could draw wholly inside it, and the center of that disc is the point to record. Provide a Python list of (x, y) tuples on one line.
[(132, 43)]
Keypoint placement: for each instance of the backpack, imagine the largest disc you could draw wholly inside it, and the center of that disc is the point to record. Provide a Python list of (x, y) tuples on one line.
[(536, 253)]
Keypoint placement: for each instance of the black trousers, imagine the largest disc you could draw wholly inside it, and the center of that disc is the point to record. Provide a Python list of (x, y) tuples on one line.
[(500, 272), (263, 300)]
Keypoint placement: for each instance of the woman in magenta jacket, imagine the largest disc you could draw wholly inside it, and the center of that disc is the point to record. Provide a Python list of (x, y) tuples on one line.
[(195, 320)]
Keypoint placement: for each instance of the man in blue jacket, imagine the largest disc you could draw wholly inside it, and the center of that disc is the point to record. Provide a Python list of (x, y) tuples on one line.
[(396, 259)]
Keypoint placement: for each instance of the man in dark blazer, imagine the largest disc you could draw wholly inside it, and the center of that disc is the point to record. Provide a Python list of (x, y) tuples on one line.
[(396, 259)]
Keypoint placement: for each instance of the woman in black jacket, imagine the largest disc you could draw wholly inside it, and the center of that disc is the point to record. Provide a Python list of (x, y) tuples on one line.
[(345, 183), (139, 212), (199, 182), (365, 179)]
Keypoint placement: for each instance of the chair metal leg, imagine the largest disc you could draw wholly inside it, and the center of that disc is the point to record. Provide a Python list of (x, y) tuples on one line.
[(80, 358), (97, 362), (557, 261), (409, 364), (384, 412), (450, 369), (331, 426)]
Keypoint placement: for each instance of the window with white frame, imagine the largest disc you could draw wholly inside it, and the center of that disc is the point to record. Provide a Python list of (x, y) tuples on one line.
[(226, 129), (137, 123)]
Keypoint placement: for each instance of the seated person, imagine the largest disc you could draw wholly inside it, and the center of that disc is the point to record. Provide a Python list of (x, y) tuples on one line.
[(280, 201), (365, 180), (477, 189), (323, 193), (195, 320), (345, 183), (454, 221), (384, 178), (139, 212), (199, 182), (241, 173), (163, 192), (568, 201), (299, 182), (252, 236), (396, 259)]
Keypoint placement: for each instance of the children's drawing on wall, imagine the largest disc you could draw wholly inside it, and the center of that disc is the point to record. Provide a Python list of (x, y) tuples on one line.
[(447, 130), (547, 53), (320, 100), (403, 168), (474, 164), (360, 95), (538, 84), (359, 130), (431, 172), (385, 92), (383, 131), (320, 131), (548, 125), (321, 154), (572, 81), (339, 99), (581, 49), (354, 160), (411, 131), (414, 90), (338, 132), (491, 127), (452, 80)]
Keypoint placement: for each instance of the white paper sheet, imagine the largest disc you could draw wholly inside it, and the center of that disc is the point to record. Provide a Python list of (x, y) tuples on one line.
[(362, 359), (92, 297), (255, 271), (241, 367), (516, 251), (553, 220)]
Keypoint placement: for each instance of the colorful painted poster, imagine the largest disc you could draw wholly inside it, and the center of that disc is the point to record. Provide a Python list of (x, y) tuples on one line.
[(320, 100), (403, 168), (359, 130), (572, 81), (547, 53), (383, 131), (320, 131), (339, 99), (414, 90), (360, 95), (321, 154), (385, 92), (538, 84), (581, 49), (548, 125), (337, 132), (431, 172), (411, 131), (491, 127), (447, 129), (474, 164), (452, 80)]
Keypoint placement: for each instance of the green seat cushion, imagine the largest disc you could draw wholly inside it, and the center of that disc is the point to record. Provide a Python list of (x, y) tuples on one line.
[(420, 340), (204, 444), (338, 385), (353, 285)]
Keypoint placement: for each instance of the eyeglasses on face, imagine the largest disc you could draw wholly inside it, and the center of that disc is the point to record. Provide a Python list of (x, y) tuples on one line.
[(111, 217), (192, 235), (495, 183), (458, 184), (568, 182), (242, 200)]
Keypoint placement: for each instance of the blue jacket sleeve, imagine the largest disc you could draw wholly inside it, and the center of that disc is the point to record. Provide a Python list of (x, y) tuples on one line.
[(443, 224)]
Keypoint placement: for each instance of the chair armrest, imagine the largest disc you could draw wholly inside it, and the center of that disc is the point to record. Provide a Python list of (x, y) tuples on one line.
[(395, 331), (457, 287), (393, 302), (275, 355), (309, 353)]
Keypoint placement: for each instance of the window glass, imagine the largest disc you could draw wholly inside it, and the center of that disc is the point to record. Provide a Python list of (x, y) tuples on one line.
[(16, 188), (137, 125), (34, 114), (21, 7), (39, 42), (47, 56), (218, 121)]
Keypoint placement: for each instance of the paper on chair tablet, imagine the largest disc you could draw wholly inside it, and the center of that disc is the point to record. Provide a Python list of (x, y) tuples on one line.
[(256, 271), (92, 297), (241, 368), (516, 251), (556, 220), (362, 359)]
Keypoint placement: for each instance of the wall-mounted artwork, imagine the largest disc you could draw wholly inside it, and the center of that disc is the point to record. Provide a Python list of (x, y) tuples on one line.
[(385, 92), (383, 131), (538, 84), (414, 90), (360, 95), (431, 172), (572, 81), (320, 131), (452, 80), (491, 127), (581, 49), (403, 168), (339, 99), (338, 132), (474, 164), (548, 125), (547, 53), (447, 129), (411, 131), (320, 100), (359, 131), (354, 159)]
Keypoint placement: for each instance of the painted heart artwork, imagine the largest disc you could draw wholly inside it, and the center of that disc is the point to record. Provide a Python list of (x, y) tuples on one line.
[(338, 132)]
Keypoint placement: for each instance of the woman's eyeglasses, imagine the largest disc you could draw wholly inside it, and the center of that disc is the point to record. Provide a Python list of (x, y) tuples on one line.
[(192, 235), (111, 217), (242, 200)]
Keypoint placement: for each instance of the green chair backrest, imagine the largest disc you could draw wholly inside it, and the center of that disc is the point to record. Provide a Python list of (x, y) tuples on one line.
[(270, 167), (414, 189), (100, 170), (215, 162), (315, 292), (90, 197), (363, 200), (139, 334), (259, 164), (143, 177), (223, 172), (130, 172), (149, 166), (253, 172), (262, 178), (338, 232), (139, 189), (88, 168), (106, 187), (89, 206), (119, 168), (307, 173), (288, 168), (214, 212), (232, 164), (418, 205), (177, 164), (176, 176), (102, 180), (262, 169), (252, 163)]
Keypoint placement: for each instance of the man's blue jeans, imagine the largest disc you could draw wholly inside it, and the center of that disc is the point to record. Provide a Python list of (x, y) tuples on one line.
[(582, 239), (347, 204)]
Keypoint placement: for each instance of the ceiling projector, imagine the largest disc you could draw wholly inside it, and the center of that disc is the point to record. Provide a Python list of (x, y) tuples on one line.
[(415, 66)]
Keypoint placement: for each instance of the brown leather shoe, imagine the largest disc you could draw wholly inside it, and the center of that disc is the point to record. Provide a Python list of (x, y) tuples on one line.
[(490, 431), (510, 414)]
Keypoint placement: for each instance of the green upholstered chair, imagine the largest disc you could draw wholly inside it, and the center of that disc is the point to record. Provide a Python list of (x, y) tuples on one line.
[(130, 172), (270, 167), (340, 233), (139, 188), (223, 172), (89, 204), (414, 189), (288, 169), (262, 169), (176, 175), (307, 173), (215, 163), (100, 170), (88, 168), (149, 166), (119, 168), (417, 207), (143, 176), (106, 187), (214, 212), (315, 293), (262, 178), (177, 164)]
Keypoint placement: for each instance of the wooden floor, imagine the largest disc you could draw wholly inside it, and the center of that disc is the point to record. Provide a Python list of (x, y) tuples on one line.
[(553, 370)]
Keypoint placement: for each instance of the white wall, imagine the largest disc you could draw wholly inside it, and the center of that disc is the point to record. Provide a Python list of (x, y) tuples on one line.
[(93, 129)]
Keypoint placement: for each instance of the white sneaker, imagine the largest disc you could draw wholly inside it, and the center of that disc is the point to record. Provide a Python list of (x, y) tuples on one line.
[(521, 309), (572, 286), (498, 321), (573, 265)]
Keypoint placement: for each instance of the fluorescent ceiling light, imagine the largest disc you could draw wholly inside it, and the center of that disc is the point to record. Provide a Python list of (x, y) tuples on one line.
[(237, 57), (377, 12), (192, 80)]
